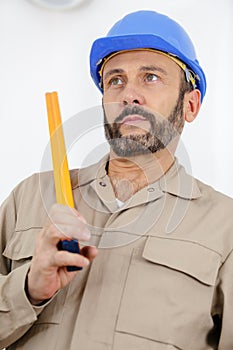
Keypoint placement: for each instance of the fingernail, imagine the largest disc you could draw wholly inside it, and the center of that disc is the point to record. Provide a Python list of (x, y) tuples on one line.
[(86, 262)]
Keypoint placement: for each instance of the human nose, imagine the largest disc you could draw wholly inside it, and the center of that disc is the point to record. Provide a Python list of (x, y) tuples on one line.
[(132, 95)]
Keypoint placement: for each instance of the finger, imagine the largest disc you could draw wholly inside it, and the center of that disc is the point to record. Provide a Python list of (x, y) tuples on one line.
[(66, 230), (68, 222), (64, 258), (58, 211), (89, 252), (49, 237)]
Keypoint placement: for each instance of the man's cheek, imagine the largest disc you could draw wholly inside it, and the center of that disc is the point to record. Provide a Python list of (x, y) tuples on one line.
[(112, 111)]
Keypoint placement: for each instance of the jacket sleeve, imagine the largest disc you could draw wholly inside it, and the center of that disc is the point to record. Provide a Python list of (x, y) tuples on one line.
[(16, 313), (226, 296)]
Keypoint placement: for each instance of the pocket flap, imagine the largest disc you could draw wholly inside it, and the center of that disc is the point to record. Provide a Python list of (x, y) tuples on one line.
[(21, 245), (188, 257), (4, 307)]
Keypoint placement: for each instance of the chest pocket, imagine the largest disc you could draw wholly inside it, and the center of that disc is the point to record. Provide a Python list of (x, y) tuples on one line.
[(187, 257), (21, 246), (168, 294)]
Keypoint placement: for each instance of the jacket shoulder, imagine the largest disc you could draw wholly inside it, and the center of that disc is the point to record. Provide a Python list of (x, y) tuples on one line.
[(216, 197)]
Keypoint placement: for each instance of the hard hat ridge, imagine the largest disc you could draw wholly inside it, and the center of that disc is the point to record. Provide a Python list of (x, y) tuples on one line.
[(147, 29)]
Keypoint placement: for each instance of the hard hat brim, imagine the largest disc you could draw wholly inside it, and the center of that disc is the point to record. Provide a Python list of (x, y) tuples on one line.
[(103, 47)]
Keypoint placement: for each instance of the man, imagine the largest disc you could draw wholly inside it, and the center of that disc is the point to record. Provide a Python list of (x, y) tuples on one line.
[(156, 244)]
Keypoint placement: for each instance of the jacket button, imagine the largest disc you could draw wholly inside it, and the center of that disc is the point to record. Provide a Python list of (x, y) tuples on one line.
[(103, 184), (151, 189)]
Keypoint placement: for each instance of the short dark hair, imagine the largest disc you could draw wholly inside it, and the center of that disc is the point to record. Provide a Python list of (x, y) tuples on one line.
[(185, 86)]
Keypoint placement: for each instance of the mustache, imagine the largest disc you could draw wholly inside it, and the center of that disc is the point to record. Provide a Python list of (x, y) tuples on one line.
[(135, 110)]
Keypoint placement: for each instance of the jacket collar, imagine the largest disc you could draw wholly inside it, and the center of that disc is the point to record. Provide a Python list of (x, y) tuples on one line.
[(176, 181), (179, 183)]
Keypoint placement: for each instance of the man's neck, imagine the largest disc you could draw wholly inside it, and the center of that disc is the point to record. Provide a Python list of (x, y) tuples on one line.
[(129, 175)]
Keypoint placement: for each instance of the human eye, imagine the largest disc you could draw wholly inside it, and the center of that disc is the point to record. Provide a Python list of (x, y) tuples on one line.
[(115, 81), (151, 77)]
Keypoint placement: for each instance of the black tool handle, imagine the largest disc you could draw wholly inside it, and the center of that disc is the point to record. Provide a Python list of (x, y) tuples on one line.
[(71, 246)]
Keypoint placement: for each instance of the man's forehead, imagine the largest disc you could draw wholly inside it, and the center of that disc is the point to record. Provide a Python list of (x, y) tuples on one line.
[(141, 59)]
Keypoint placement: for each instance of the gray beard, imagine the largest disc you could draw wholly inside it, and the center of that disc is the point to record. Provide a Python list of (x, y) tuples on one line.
[(162, 131)]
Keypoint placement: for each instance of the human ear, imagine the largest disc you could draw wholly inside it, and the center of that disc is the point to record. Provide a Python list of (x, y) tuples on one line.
[(192, 104)]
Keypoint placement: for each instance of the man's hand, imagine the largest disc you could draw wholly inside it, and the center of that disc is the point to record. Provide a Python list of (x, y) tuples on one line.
[(48, 271)]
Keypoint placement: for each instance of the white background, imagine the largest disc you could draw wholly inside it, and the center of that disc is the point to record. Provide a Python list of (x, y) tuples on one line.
[(43, 50)]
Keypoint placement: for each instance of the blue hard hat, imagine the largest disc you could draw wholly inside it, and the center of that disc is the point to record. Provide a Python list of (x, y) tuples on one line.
[(147, 29)]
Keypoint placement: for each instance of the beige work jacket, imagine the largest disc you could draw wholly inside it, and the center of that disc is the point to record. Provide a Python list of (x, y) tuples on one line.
[(163, 278)]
